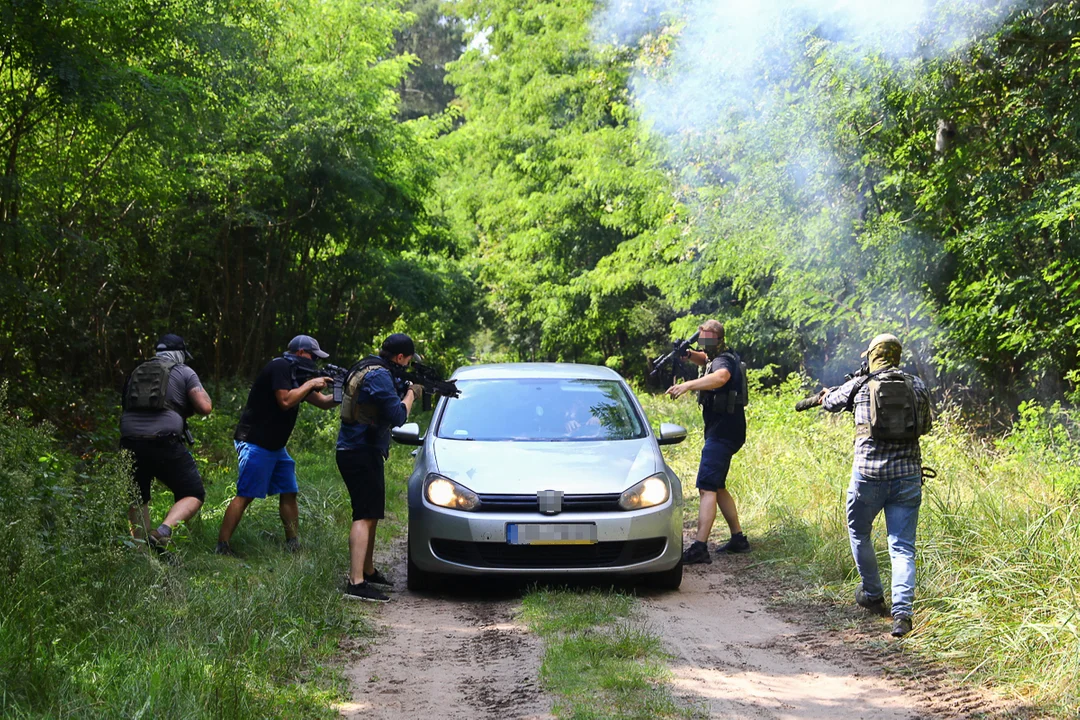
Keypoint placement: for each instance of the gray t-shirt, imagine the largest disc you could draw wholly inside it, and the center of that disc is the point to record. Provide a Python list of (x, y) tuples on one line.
[(141, 423)]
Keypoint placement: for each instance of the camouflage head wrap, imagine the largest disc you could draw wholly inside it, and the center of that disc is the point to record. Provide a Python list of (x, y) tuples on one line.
[(883, 352)]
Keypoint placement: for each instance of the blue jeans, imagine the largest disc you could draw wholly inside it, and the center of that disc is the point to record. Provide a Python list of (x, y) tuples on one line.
[(900, 499)]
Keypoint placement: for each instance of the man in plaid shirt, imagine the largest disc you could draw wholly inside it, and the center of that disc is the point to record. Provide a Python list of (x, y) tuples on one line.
[(886, 476)]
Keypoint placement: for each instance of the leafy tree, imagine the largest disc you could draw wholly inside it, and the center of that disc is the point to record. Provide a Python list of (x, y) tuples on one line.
[(550, 174)]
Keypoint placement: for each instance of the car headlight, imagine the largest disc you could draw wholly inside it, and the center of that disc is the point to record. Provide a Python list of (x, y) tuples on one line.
[(649, 492), (446, 493)]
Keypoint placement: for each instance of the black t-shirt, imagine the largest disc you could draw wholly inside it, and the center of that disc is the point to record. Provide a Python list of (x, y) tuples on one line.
[(719, 423), (265, 423)]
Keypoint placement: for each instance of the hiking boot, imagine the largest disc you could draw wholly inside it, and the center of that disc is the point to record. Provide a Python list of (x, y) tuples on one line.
[(874, 604), (697, 553), (224, 549), (364, 591), (292, 545), (901, 626), (377, 578), (737, 544)]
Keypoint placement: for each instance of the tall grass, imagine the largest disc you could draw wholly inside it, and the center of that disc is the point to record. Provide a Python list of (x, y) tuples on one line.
[(998, 543), (91, 625)]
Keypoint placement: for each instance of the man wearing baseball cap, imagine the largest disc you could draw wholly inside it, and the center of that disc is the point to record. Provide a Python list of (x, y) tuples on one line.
[(892, 410), (265, 426), (159, 396), (375, 400)]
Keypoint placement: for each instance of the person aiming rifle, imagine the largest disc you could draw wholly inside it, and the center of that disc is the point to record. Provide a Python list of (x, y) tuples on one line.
[(265, 466), (722, 394), (892, 410), (377, 397)]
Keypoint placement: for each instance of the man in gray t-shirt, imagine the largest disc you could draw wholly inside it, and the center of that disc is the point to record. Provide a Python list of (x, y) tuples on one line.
[(155, 437)]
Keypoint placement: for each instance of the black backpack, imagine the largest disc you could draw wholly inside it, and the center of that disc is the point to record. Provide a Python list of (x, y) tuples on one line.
[(147, 388), (894, 411)]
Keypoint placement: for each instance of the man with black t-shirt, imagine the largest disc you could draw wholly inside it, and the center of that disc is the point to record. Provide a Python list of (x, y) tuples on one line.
[(265, 425), (725, 434)]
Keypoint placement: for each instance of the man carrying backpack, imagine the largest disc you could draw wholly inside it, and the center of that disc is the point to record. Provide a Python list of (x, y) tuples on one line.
[(892, 409), (265, 466), (375, 400), (722, 395), (159, 396)]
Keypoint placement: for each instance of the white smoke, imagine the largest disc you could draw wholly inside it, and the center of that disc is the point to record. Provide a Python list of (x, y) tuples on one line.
[(726, 49), (717, 77)]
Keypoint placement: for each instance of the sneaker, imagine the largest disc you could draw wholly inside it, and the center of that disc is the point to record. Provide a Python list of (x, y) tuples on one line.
[(158, 542), (377, 578), (901, 626), (737, 544), (292, 545), (697, 553), (224, 549), (875, 604), (364, 591)]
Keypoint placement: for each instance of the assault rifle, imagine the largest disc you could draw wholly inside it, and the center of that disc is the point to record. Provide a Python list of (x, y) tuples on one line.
[(331, 372), (815, 400), (428, 378), (678, 350)]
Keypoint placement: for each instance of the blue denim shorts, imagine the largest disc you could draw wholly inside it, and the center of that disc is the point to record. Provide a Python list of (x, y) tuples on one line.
[(264, 472), (715, 462)]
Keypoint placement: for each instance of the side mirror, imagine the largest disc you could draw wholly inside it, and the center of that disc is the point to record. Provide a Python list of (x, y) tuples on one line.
[(671, 434), (409, 434)]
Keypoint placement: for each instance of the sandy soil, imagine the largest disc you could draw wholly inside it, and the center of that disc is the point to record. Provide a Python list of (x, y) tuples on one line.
[(447, 656), (454, 656)]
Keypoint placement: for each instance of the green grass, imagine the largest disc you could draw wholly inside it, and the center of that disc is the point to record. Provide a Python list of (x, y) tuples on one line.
[(90, 627), (998, 547), (600, 659)]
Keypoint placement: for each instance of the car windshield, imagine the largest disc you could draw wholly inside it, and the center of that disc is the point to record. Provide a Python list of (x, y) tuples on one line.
[(541, 410)]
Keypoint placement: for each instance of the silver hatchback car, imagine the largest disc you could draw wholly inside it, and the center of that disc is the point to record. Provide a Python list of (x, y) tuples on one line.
[(542, 469)]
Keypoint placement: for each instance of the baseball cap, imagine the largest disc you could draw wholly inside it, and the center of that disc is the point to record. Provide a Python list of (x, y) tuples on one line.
[(881, 340), (306, 342), (170, 341), (398, 344)]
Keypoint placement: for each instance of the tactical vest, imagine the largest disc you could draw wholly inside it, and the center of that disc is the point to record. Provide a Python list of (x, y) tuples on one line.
[(893, 407), (147, 389), (353, 412), (734, 393)]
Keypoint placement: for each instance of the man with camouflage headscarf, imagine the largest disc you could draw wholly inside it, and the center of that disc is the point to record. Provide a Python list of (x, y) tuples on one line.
[(886, 473)]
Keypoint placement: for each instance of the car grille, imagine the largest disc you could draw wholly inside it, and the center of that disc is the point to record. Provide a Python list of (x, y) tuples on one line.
[(602, 502), (504, 555)]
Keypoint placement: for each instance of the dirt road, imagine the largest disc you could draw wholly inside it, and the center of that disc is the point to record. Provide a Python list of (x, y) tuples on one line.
[(454, 656)]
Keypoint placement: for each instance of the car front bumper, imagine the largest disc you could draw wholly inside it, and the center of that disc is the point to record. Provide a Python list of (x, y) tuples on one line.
[(453, 542)]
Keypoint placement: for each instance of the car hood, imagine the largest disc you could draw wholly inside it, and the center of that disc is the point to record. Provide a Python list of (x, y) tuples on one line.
[(513, 468)]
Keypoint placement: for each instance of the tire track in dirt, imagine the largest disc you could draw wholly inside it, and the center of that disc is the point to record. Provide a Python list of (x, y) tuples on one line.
[(738, 657), (449, 656), (737, 654)]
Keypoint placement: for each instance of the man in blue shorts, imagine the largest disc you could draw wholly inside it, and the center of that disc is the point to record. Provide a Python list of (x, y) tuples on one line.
[(722, 393), (265, 426)]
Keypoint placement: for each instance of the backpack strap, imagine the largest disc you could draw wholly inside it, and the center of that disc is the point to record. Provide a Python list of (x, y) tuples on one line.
[(850, 407)]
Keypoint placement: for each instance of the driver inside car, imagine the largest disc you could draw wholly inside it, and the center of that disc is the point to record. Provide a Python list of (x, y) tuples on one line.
[(579, 417)]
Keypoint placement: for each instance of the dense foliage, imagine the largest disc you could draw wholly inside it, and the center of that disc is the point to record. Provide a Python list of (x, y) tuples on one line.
[(232, 171), (840, 192)]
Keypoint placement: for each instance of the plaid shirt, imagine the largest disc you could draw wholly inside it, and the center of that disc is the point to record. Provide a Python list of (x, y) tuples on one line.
[(882, 459)]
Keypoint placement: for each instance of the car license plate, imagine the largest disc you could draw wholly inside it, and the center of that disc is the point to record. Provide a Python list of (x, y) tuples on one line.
[(551, 534)]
